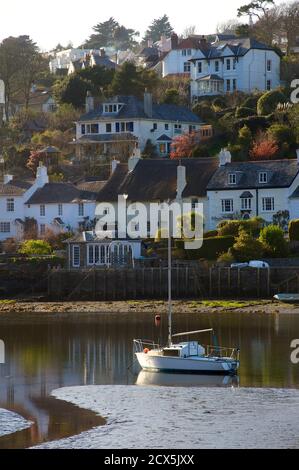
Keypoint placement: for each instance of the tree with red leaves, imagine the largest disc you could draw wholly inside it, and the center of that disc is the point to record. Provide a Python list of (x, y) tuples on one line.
[(34, 159), (184, 144), (264, 148)]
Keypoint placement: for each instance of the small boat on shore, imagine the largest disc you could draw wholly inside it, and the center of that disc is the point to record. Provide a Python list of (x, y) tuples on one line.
[(287, 298)]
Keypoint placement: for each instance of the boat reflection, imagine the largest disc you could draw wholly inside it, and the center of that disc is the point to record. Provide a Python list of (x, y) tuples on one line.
[(163, 379)]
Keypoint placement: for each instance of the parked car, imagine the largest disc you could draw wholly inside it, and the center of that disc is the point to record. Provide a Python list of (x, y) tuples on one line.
[(251, 264)]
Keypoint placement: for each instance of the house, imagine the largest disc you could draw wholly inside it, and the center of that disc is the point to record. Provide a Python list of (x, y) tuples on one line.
[(118, 125), (255, 188), (239, 64), (61, 60), (149, 181), (55, 206), (92, 59), (40, 101)]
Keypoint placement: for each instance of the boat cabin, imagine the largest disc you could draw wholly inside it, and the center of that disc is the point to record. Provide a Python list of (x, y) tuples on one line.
[(184, 350)]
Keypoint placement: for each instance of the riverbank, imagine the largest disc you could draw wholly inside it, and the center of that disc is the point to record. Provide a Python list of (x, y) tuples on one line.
[(126, 307)]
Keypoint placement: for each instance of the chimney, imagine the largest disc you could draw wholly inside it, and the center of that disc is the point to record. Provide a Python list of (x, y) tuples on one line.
[(224, 157), (297, 152), (41, 176), (174, 41), (89, 103), (114, 165), (7, 179), (134, 159), (148, 104), (203, 42), (181, 181), (163, 43), (102, 52)]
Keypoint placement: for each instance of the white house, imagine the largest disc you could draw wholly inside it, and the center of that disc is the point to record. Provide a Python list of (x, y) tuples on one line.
[(239, 64), (63, 59), (255, 188), (92, 59), (55, 206), (125, 120)]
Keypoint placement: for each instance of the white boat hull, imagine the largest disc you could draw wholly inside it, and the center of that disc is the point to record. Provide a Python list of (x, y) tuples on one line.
[(191, 364)]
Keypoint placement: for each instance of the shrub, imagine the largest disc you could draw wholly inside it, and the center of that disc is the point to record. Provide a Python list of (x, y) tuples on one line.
[(243, 112), (246, 247), (212, 248), (273, 241), (232, 227), (219, 102), (9, 246), (204, 111), (226, 258), (282, 133), (211, 234), (294, 230), (263, 148), (251, 102), (35, 247), (268, 102)]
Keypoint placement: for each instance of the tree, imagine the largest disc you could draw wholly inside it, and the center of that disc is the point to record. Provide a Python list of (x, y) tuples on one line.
[(189, 31), (111, 34), (246, 247), (159, 27), (282, 134), (20, 64), (263, 148), (150, 150), (294, 230), (273, 241), (289, 22), (171, 96), (269, 101), (129, 80), (184, 145), (228, 27), (257, 8), (72, 90)]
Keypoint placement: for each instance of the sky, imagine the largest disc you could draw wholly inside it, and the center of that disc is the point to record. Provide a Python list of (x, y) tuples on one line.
[(62, 21)]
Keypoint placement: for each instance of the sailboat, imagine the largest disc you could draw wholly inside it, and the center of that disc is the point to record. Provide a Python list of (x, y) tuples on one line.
[(187, 356)]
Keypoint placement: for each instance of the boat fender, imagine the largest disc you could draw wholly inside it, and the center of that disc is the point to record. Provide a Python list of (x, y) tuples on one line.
[(146, 351)]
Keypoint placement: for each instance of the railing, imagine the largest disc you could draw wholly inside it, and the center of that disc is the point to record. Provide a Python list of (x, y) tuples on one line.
[(140, 345), (215, 351)]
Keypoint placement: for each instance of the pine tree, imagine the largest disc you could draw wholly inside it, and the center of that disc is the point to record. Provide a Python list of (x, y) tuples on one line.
[(159, 27)]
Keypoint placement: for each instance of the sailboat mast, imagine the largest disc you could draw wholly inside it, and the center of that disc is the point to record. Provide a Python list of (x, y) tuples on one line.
[(169, 285)]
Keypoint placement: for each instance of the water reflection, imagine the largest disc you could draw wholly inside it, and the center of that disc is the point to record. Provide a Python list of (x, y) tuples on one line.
[(162, 379), (47, 353)]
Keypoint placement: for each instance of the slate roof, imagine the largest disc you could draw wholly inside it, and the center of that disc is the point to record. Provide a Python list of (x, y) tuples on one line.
[(281, 174), (210, 77), (91, 186), (15, 187), (134, 109), (156, 179), (239, 47), (164, 138), (60, 193), (104, 61)]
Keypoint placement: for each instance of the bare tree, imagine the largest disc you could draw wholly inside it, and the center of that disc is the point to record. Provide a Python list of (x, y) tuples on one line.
[(189, 31)]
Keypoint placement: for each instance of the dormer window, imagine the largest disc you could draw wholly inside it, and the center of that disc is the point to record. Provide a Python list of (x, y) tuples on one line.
[(112, 108), (263, 177), (232, 178)]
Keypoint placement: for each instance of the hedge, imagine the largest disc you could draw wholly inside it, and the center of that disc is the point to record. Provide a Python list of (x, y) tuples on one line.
[(244, 112), (212, 248), (269, 101), (294, 230)]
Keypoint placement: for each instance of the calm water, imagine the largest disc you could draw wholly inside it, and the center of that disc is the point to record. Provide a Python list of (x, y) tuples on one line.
[(42, 355)]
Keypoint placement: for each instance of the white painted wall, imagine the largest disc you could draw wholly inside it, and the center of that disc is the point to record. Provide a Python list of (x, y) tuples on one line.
[(173, 63)]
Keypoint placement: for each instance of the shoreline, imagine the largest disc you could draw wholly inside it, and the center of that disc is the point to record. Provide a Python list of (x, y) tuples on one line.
[(146, 306)]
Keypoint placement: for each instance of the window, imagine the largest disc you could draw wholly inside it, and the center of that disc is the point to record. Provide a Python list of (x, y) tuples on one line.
[(217, 66), (192, 129), (187, 67), (109, 128), (178, 128), (167, 127), (263, 178), (90, 254), (81, 209), (234, 84), (4, 227), (246, 204), (269, 85), (60, 209), (184, 52), (83, 129), (42, 229), (162, 148), (199, 67), (232, 178), (269, 65), (155, 126), (10, 205), (130, 126), (189, 52), (42, 210), (228, 85), (227, 205), (76, 256), (228, 66), (268, 204), (194, 203), (94, 128), (234, 64), (117, 127)]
